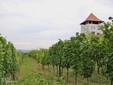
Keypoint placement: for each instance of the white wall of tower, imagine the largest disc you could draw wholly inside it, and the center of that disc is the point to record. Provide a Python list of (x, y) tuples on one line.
[(91, 28)]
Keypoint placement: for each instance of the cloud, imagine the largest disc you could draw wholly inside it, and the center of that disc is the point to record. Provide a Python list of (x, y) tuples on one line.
[(39, 23)]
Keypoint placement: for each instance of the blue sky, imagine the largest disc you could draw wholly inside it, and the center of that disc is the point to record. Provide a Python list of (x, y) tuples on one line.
[(33, 24)]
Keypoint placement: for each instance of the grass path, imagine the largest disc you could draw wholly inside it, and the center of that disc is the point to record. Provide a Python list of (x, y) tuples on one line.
[(31, 73), (27, 67)]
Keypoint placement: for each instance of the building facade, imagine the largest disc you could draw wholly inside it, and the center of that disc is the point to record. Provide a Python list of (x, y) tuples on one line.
[(91, 25)]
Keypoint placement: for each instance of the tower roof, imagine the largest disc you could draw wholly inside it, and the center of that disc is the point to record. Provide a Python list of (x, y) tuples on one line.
[(92, 17)]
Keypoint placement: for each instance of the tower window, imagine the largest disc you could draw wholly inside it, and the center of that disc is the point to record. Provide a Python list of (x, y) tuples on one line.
[(98, 33), (89, 22), (93, 33)]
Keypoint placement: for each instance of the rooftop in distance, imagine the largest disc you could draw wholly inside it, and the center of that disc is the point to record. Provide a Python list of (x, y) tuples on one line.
[(92, 17)]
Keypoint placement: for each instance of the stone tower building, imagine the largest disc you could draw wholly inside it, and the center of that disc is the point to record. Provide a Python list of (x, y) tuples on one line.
[(91, 25)]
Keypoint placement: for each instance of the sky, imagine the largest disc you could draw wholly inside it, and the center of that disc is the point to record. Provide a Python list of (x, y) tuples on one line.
[(34, 24)]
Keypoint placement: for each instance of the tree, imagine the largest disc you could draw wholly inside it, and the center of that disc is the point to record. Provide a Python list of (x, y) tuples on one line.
[(51, 53), (77, 47), (8, 61), (43, 57), (67, 56), (14, 64), (107, 29), (87, 61), (1, 64), (96, 45), (59, 55)]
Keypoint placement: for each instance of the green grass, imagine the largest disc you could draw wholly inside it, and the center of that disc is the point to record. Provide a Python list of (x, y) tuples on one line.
[(99, 79), (40, 79), (31, 73), (27, 66)]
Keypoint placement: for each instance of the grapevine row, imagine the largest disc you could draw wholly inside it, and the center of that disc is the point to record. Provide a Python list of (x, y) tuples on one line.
[(8, 61), (81, 53)]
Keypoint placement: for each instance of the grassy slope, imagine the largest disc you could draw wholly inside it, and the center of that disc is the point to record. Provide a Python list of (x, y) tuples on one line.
[(30, 66), (27, 67), (31, 74)]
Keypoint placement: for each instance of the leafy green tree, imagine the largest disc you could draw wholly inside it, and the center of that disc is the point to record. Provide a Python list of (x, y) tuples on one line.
[(1, 63), (2, 55), (33, 54), (56, 53), (67, 56), (59, 55), (20, 57), (107, 29), (76, 48), (96, 45), (8, 61), (14, 64), (43, 57), (87, 61), (53, 57)]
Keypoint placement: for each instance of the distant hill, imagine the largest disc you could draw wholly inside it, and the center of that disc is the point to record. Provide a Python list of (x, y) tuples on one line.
[(23, 50)]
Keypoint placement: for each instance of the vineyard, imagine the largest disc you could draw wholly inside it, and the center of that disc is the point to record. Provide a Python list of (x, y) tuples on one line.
[(8, 61), (31, 74), (84, 59)]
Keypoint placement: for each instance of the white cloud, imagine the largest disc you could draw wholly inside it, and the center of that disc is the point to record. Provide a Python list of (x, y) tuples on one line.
[(37, 23)]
